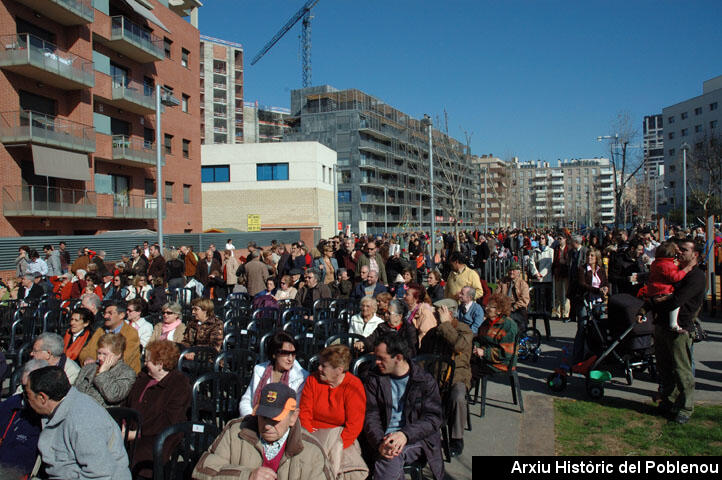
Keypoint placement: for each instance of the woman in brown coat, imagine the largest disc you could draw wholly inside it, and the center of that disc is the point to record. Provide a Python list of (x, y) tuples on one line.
[(162, 395)]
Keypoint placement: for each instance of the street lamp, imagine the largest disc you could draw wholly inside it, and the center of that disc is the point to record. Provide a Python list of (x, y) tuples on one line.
[(426, 122), (165, 97), (486, 204), (685, 147)]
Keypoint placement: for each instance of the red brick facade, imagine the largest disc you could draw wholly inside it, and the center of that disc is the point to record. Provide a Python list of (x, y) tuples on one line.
[(79, 105)]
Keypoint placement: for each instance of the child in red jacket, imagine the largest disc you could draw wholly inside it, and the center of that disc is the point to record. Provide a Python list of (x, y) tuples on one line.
[(663, 274)]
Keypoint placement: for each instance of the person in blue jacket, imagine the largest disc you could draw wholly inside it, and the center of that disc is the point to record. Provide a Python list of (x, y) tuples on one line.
[(20, 428)]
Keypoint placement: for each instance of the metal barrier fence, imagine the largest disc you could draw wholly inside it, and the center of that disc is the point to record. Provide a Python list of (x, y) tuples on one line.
[(117, 243)]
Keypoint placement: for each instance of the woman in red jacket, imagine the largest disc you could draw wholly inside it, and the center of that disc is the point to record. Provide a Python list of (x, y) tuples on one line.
[(333, 407)]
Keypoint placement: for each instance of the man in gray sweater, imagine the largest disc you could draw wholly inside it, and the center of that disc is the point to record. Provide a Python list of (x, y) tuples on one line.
[(79, 438)]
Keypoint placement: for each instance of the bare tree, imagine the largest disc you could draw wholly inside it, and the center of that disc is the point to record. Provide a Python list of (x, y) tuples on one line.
[(452, 161), (704, 174), (624, 166)]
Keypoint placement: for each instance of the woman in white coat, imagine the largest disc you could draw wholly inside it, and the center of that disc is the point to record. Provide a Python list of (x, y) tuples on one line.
[(280, 367)]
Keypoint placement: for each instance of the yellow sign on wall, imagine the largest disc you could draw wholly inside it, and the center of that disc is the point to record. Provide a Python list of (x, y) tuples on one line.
[(254, 223)]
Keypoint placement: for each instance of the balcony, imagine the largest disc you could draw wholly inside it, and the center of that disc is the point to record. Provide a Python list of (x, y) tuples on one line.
[(65, 12), (25, 126), (133, 152), (132, 96), (44, 62), (43, 201), (133, 41), (135, 206)]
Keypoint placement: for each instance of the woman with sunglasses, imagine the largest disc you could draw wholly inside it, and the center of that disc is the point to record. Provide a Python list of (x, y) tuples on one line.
[(171, 327), (281, 366), (286, 290)]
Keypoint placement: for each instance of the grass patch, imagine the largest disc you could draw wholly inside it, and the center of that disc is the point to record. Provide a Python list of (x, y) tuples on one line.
[(624, 428)]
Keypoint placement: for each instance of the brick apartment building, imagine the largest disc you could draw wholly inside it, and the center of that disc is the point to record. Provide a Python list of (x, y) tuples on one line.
[(77, 115)]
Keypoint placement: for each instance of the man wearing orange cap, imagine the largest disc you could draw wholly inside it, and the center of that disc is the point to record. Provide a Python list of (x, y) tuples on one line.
[(269, 444)]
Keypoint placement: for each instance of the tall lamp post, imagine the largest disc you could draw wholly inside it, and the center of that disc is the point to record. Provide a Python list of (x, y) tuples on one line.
[(486, 204), (426, 121), (163, 96), (685, 147)]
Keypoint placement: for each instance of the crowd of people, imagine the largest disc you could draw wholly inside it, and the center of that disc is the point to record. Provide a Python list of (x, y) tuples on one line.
[(327, 422)]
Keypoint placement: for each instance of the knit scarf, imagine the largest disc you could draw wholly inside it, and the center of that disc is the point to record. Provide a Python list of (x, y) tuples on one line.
[(264, 380), (169, 327)]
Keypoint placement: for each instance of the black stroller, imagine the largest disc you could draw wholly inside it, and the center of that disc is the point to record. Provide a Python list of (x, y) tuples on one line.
[(614, 339)]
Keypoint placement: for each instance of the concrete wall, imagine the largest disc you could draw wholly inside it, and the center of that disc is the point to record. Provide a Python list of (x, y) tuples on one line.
[(304, 201)]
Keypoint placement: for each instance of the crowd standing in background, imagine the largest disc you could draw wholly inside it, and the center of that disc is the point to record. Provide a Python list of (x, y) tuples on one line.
[(321, 418)]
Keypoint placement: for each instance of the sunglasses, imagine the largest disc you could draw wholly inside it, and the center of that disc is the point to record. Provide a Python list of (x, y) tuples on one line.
[(169, 313), (286, 353)]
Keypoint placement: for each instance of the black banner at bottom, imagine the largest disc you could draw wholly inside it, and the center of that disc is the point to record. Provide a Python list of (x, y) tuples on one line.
[(556, 467)]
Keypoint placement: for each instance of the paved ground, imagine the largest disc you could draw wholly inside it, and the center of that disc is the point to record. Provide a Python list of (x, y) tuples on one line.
[(505, 431)]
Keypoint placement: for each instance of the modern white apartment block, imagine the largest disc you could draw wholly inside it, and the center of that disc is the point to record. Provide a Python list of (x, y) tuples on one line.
[(691, 123), (578, 191)]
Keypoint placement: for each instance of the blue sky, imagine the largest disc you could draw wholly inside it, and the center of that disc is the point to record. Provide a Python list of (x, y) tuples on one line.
[(537, 79)]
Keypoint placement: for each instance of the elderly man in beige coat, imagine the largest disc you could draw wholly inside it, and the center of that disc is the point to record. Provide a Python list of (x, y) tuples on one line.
[(268, 444)]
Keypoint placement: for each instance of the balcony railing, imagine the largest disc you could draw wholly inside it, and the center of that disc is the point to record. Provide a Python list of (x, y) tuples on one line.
[(134, 41), (43, 201), (133, 150), (43, 61), (65, 12), (135, 206), (133, 96), (26, 126)]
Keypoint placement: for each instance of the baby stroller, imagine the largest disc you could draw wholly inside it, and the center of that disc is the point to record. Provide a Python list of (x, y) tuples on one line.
[(614, 339)]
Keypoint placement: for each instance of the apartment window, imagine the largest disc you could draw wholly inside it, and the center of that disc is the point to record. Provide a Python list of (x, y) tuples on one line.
[(670, 119), (683, 116), (713, 124), (697, 128), (698, 111), (186, 193), (184, 102), (671, 184), (168, 142), (344, 197), (167, 42), (271, 171), (713, 106), (684, 132), (671, 152), (186, 148), (216, 173), (168, 191), (672, 168), (671, 135), (149, 186), (184, 57)]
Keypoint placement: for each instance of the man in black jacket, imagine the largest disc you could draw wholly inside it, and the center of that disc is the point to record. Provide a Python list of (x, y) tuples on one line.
[(673, 350), (403, 412)]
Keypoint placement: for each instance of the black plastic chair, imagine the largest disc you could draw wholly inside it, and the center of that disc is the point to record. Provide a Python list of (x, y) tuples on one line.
[(540, 307), (131, 420), (263, 346), (239, 362), (310, 363), (193, 439), (266, 319), (216, 397), (511, 374), (203, 362), (363, 365), (306, 345), (347, 339)]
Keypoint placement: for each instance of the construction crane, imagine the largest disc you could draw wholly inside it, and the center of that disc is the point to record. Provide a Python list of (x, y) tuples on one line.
[(305, 14)]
